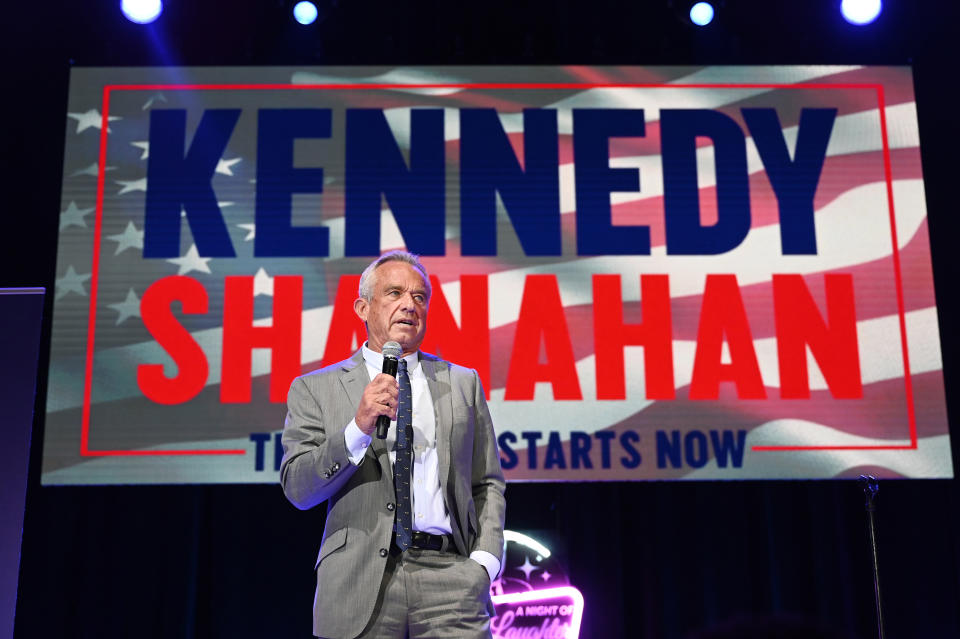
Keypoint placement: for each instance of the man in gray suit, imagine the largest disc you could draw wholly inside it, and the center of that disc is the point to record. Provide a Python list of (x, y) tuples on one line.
[(417, 561)]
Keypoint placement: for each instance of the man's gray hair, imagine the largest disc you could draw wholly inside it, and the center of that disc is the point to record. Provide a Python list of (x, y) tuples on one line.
[(365, 290)]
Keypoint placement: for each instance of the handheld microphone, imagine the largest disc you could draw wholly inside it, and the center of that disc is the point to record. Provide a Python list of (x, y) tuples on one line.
[(391, 354)]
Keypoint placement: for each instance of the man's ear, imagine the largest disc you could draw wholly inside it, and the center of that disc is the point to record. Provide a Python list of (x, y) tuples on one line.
[(360, 307)]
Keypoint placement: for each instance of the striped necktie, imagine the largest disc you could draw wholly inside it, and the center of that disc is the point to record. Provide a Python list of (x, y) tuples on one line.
[(402, 466)]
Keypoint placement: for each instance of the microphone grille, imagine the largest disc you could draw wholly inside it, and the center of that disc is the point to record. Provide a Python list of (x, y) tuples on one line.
[(392, 350)]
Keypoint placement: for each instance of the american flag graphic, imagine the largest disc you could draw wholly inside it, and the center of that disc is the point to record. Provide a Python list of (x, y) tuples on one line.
[(870, 220)]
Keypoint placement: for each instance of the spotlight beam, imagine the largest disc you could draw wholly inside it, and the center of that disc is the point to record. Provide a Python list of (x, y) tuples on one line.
[(141, 11), (305, 12), (701, 14), (861, 12)]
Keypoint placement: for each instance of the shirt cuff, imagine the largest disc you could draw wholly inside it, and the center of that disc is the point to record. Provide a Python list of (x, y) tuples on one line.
[(357, 442), (488, 561)]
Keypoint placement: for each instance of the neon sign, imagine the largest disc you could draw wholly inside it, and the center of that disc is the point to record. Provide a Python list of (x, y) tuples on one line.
[(551, 613), (532, 596)]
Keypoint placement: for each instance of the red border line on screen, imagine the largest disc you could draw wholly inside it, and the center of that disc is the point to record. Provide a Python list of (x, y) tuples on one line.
[(908, 383), (109, 88), (468, 85), (85, 450)]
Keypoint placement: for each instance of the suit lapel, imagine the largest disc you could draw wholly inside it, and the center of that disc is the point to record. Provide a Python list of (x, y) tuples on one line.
[(438, 381)]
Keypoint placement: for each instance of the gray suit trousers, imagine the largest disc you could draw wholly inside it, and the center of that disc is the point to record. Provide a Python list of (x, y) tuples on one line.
[(431, 594)]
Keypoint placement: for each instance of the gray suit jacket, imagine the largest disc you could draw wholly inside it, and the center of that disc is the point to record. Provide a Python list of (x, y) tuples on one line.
[(359, 525)]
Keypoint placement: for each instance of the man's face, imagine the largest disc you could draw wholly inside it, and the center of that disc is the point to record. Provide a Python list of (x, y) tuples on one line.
[(397, 310)]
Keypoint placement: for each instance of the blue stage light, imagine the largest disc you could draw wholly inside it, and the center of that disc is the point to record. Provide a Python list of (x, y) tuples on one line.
[(141, 11), (305, 12), (701, 14), (861, 12)]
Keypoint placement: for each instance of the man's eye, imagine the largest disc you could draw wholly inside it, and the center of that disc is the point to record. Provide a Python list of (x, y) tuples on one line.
[(419, 299)]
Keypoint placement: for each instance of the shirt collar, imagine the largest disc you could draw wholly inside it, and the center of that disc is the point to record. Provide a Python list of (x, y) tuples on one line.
[(375, 359)]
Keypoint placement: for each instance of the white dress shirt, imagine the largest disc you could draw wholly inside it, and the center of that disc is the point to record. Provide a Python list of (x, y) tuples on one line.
[(429, 510)]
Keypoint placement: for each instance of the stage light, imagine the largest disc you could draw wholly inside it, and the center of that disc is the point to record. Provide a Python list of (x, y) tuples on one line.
[(701, 14), (860, 12), (141, 11), (305, 12)]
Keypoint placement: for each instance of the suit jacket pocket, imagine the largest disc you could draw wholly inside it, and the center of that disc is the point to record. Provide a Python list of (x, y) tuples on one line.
[(334, 540)]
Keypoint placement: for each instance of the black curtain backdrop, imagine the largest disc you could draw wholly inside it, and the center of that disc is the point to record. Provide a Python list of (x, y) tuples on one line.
[(654, 560)]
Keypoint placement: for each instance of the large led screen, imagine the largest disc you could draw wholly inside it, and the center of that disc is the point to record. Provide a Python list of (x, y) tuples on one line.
[(659, 273)]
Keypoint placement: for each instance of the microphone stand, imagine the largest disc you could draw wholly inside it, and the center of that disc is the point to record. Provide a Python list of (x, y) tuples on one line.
[(870, 490)]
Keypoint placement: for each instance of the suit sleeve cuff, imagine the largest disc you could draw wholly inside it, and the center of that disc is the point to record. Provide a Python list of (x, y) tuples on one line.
[(356, 441), (488, 561)]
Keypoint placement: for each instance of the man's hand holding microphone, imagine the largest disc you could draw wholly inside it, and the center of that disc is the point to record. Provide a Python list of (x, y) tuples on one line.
[(378, 405)]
